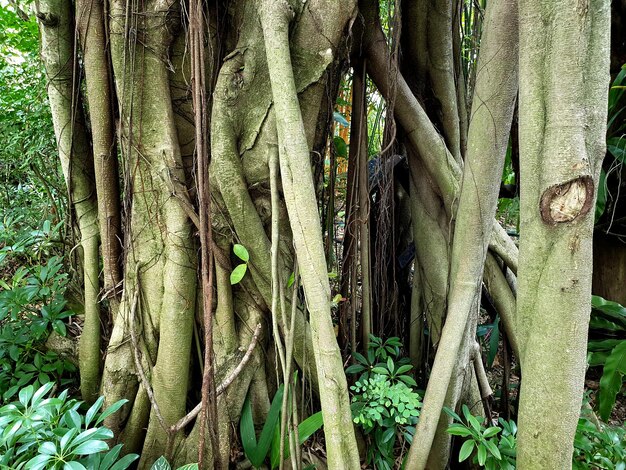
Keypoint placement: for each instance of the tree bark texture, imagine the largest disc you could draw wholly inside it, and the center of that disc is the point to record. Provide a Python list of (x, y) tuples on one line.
[(562, 144)]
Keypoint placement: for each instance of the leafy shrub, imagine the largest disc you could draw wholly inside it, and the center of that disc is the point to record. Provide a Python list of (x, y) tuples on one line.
[(607, 348), (383, 402), (51, 433), (492, 448), (29, 163), (598, 446), (383, 357), (257, 451), (31, 306)]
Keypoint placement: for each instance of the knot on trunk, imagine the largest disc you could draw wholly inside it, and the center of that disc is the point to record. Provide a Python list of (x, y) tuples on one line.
[(567, 201), (48, 19)]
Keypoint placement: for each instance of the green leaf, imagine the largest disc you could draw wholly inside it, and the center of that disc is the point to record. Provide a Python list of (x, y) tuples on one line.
[(241, 252), (110, 457), (73, 466), (481, 454), (459, 430), (291, 280), (408, 380), (310, 426), (125, 462), (91, 447), (466, 450), (355, 369), (490, 432), (93, 409), (25, 395), (160, 464), (238, 273), (189, 466), (275, 450), (256, 452), (387, 435), (38, 462), (110, 410), (609, 310), (48, 448), (452, 414), (246, 429), (611, 380), (403, 369), (59, 327), (493, 449), (360, 357)]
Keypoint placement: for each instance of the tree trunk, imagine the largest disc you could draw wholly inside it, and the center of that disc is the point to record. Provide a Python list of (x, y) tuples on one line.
[(59, 57), (562, 144)]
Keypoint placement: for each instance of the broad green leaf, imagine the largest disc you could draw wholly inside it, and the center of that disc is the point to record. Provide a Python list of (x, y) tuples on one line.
[(360, 357), (609, 310), (38, 462), (493, 449), (110, 410), (238, 273), (267, 433), (67, 437), (41, 391), (451, 413), (73, 466), (246, 429), (110, 457), (310, 426), (93, 409), (91, 447), (48, 448), (387, 435), (25, 394), (466, 450), (490, 432), (459, 430), (256, 452), (355, 369), (59, 327), (125, 462), (481, 453), (408, 380), (241, 252), (612, 379), (189, 466), (275, 451), (603, 345)]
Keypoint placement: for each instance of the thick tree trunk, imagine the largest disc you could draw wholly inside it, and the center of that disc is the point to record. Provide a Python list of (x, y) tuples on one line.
[(59, 57), (90, 22), (562, 144)]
